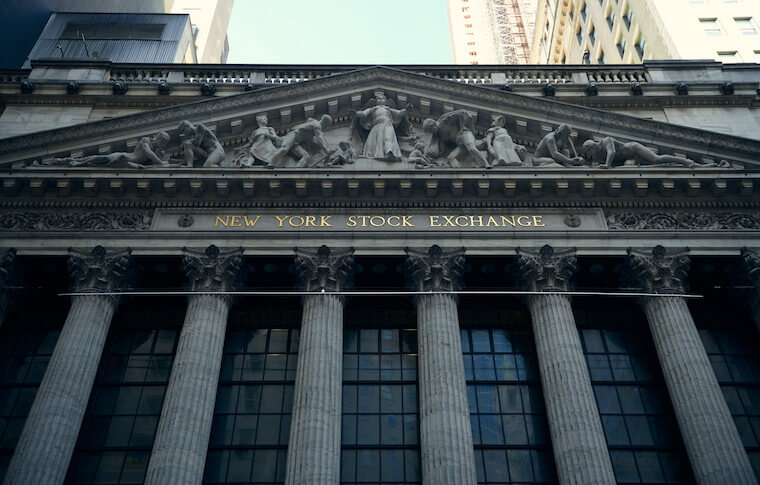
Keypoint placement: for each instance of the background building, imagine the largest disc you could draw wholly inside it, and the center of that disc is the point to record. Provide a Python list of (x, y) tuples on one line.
[(490, 31), (632, 31), (26, 23)]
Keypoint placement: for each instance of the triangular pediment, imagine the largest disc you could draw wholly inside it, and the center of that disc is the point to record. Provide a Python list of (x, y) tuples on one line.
[(452, 105)]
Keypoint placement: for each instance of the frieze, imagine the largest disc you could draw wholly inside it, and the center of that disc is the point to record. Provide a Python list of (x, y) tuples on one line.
[(695, 221), (541, 108), (61, 221)]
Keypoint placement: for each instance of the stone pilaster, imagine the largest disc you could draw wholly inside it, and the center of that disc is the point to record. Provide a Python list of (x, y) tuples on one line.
[(750, 263), (448, 457), (580, 449), (179, 452), (712, 443), (50, 433), (314, 446), (7, 258)]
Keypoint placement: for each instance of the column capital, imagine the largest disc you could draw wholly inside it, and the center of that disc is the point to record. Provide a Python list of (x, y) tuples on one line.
[(658, 271), (213, 269), (99, 270), (434, 269), (324, 269), (7, 259), (546, 269), (750, 264)]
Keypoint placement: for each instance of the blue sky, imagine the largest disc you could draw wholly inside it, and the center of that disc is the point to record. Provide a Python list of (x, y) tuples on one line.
[(339, 32)]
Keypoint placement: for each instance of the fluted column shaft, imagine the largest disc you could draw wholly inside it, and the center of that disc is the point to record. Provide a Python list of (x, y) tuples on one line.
[(7, 257), (314, 446), (179, 452), (712, 442), (445, 433), (580, 449), (50, 433)]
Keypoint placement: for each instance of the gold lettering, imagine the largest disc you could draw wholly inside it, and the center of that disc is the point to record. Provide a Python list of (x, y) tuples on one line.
[(324, 221), (434, 221), (390, 221), (448, 221), (251, 222), (465, 221), (538, 222), (351, 221), (372, 221), (225, 222), (479, 220), (281, 219), (508, 220), (524, 224), (364, 220), (292, 220), (408, 223), (236, 221), (311, 221), (491, 220)]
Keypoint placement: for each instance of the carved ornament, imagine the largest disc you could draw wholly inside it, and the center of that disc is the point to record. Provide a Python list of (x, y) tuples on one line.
[(434, 269), (658, 271), (213, 269), (325, 269), (99, 270), (546, 269), (61, 221), (683, 220)]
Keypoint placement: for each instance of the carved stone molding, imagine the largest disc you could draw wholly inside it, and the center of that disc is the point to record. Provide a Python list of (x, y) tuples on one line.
[(434, 269), (659, 271), (62, 221), (683, 220), (98, 269), (750, 263), (212, 269), (325, 269), (546, 269)]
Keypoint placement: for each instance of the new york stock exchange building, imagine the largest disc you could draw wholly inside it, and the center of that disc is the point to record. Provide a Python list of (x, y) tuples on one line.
[(372, 275)]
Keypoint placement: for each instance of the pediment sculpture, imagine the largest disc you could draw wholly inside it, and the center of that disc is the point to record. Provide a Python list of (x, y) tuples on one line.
[(381, 134)]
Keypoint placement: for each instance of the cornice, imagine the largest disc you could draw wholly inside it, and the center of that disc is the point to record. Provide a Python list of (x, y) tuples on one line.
[(550, 110)]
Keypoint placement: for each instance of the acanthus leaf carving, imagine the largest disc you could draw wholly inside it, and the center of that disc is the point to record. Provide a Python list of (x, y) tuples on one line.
[(546, 269), (99, 270), (213, 269), (734, 221), (62, 221), (435, 269), (658, 271), (325, 269), (750, 263)]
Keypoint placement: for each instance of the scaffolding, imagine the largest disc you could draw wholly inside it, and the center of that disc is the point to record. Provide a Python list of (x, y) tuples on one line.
[(511, 30)]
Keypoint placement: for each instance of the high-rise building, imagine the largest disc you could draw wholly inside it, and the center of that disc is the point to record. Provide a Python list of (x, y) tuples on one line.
[(490, 31), (210, 19), (632, 31)]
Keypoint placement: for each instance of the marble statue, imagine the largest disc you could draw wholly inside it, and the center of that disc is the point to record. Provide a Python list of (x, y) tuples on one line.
[(305, 143), (200, 141), (557, 148), (344, 155), (418, 157), (262, 147), (148, 152), (453, 138), (501, 150), (374, 130), (609, 152)]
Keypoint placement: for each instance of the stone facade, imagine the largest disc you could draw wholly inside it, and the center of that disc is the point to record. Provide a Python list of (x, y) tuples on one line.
[(454, 249)]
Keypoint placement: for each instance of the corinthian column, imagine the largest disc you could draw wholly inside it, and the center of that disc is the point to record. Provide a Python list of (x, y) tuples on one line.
[(580, 449), (750, 262), (179, 452), (7, 258), (712, 442), (47, 442), (448, 457), (314, 446)]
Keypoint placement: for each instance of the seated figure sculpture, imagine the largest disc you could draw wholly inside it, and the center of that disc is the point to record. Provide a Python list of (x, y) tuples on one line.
[(501, 150), (148, 152), (262, 147), (200, 141), (557, 148), (609, 152), (373, 130), (453, 137)]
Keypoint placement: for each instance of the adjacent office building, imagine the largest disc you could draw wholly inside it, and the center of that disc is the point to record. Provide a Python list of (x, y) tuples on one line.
[(633, 31)]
